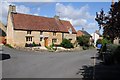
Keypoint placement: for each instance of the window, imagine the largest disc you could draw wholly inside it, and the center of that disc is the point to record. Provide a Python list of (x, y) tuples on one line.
[(28, 38), (70, 30), (70, 40), (28, 32), (41, 33), (54, 33), (54, 40), (41, 38)]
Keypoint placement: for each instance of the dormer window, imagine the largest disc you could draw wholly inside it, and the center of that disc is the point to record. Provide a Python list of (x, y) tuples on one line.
[(70, 31), (28, 32)]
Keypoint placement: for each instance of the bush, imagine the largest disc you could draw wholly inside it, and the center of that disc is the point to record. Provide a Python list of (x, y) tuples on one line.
[(66, 44), (85, 47), (105, 41), (51, 47), (116, 55), (83, 40), (32, 45), (111, 52), (8, 45)]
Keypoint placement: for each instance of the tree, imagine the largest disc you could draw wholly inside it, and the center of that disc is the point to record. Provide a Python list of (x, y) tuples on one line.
[(110, 21), (83, 40)]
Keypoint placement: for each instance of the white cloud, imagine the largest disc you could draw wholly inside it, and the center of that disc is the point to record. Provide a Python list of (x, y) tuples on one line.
[(4, 11), (4, 7), (91, 26), (77, 16), (22, 9), (36, 14), (38, 9), (77, 22), (71, 12)]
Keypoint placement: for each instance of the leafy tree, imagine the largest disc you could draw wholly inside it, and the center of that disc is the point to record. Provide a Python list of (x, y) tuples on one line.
[(83, 40), (110, 21)]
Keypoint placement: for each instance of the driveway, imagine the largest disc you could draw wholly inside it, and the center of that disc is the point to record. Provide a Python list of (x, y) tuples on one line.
[(29, 64)]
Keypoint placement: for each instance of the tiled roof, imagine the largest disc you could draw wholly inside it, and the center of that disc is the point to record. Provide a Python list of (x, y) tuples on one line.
[(31, 22), (81, 32)]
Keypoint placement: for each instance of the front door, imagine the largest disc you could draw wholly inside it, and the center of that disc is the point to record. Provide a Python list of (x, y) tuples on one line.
[(46, 41)]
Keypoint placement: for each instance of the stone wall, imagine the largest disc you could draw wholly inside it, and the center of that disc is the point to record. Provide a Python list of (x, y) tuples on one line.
[(20, 37), (70, 36)]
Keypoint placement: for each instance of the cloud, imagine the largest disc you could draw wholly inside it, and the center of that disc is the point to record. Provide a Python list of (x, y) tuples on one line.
[(22, 9), (4, 11), (38, 9), (77, 22), (77, 16), (4, 7), (36, 14), (91, 25), (71, 12)]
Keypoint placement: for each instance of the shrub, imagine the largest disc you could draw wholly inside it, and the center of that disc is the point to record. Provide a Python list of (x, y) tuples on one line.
[(111, 53), (80, 41), (83, 40), (32, 45), (66, 43), (51, 47), (116, 55), (85, 47), (105, 41), (8, 45)]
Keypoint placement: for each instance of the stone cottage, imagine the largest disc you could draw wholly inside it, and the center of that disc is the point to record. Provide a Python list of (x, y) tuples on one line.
[(26, 28)]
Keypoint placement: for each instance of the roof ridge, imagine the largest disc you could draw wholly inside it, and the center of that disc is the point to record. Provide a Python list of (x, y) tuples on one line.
[(32, 15), (33, 22)]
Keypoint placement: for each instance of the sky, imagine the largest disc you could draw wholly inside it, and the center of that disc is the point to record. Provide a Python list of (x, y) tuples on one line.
[(80, 14)]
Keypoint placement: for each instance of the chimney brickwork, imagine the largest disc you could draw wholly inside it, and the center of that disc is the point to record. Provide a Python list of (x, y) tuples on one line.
[(12, 8)]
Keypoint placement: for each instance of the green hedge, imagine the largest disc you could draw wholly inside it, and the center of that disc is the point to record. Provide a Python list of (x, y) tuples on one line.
[(112, 53)]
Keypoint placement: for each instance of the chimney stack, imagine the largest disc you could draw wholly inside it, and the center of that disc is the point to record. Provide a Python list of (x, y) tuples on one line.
[(56, 17), (97, 31), (12, 8), (82, 29), (113, 2)]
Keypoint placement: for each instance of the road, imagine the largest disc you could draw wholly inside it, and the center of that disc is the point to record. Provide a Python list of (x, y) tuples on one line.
[(29, 64)]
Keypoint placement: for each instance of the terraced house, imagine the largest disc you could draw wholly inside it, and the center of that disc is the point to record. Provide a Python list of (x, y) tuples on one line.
[(25, 28)]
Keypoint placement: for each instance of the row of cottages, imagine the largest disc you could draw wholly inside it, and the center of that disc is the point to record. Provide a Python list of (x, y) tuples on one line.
[(25, 28), (2, 32)]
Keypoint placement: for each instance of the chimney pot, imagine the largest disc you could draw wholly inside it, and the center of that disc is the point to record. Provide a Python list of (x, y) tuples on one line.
[(56, 17), (82, 29), (12, 8)]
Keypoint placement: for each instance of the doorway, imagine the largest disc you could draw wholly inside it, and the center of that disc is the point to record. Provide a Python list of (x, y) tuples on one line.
[(46, 41)]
